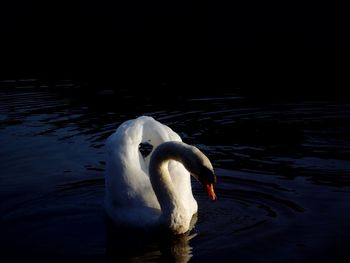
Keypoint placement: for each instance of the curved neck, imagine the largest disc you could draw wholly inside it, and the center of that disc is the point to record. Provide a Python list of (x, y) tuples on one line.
[(173, 211)]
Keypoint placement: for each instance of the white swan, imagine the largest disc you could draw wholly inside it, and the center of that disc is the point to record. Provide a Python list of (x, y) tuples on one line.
[(155, 190)]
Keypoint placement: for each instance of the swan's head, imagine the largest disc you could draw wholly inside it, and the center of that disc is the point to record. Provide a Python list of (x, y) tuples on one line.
[(199, 165), (196, 162)]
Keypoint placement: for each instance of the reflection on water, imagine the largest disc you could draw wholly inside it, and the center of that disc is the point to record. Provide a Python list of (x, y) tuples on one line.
[(283, 176), (124, 244)]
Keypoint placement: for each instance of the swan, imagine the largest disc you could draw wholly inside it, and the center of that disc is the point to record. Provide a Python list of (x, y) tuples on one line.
[(154, 190)]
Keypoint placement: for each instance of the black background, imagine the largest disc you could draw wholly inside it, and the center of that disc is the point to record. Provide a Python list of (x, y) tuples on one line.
[(284, 47)]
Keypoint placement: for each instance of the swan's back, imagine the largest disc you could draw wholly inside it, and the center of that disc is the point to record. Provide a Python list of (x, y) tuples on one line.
[(128, 185)]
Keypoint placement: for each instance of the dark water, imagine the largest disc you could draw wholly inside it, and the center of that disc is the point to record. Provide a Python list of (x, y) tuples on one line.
[(283, 176)]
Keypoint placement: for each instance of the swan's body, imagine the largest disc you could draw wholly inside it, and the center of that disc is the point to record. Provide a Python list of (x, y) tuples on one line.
[(155, 190)]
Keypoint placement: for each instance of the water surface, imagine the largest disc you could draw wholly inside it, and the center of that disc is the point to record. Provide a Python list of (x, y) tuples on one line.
[(283, 176)]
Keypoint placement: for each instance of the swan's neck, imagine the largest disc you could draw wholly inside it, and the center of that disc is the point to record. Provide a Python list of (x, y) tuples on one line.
[(174, 214)]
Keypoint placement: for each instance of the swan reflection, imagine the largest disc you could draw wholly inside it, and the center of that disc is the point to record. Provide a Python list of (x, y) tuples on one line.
[(134, 245)]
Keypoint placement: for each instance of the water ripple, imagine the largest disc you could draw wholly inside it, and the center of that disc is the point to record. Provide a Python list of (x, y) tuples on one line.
[(278, 165)]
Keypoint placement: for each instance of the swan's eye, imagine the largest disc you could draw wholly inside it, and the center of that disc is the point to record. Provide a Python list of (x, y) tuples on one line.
[(145, 148)]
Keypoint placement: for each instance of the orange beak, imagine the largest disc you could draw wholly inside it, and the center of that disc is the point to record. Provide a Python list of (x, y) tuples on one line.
[(210, 191)]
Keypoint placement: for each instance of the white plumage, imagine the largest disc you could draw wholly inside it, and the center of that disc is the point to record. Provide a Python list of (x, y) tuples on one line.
[(139, 196)]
